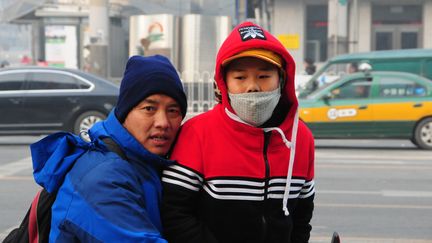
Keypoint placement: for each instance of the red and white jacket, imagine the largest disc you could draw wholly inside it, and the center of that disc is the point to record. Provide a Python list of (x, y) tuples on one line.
[(230, 180)]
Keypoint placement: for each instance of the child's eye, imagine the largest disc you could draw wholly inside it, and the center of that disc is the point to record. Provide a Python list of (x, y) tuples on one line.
[(239, 77), (264, 76)]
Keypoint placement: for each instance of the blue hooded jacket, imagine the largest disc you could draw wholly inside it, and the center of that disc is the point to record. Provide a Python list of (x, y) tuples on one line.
[(100, 196)]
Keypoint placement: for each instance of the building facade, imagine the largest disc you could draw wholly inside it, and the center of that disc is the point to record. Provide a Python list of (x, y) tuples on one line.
[(321, 29), (64, 32)]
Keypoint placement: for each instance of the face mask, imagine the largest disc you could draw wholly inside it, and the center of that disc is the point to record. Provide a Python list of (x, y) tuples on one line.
[(255, 108)]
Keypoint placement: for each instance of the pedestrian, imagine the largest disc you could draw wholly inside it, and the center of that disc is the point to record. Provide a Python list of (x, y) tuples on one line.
[(245, 169), (42, 62), (352, 68), (310, 67), (4, 64), (104, 195), (25, 60)]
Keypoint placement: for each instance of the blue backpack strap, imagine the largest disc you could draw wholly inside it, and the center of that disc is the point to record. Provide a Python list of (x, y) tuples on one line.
[(114, 147)]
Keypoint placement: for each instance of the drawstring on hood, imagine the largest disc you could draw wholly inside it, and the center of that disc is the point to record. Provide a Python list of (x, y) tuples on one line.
[(289, 144), (292, 146)]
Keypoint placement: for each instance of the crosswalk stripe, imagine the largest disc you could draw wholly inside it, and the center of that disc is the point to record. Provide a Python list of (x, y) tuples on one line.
[(15, 167)]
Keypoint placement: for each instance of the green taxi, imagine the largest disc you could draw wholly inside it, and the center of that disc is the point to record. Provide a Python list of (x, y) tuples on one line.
[(372, 104)]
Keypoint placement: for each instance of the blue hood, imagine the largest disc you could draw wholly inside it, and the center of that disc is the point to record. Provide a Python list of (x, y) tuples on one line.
[(54, 155)]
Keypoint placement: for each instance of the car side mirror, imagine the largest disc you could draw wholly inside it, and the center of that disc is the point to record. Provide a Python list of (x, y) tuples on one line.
[(365, 67), (326, 98)]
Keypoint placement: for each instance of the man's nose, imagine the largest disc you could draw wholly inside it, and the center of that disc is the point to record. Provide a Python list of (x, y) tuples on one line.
[(161, 120)]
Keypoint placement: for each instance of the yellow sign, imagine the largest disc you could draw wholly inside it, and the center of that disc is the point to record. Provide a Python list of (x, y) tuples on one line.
[(290, 41)]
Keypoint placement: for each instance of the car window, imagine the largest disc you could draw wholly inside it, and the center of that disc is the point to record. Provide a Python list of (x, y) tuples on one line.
[(428, 69), (11, 81), (335, 71), (400, 87), (354, 89), (49, 81)]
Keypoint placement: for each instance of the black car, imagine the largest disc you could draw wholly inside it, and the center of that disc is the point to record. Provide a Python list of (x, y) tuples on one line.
[(42, 100)]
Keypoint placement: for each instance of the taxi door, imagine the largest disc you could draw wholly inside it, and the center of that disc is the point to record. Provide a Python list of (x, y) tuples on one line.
[(342, 111), (400, 103)]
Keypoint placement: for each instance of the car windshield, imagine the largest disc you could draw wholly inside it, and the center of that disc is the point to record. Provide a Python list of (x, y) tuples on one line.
[(315, 93), (327, 75)]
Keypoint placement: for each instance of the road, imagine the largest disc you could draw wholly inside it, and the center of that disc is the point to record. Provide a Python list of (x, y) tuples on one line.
[(368, 191), (373, 191)]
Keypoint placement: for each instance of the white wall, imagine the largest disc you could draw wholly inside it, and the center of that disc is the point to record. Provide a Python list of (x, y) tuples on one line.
[(427, 24), (365, 26), (289, 18), (353, 28)]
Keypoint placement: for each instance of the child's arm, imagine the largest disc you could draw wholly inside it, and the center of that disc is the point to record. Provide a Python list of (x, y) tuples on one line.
[(304, 209), (180, 206)]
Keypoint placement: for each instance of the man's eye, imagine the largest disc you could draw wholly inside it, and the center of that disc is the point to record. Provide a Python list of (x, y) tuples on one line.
[(174, 111), (149, 108)]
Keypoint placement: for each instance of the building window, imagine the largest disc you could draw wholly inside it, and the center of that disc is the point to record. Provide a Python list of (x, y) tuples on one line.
[(396, 27), (316, 32)]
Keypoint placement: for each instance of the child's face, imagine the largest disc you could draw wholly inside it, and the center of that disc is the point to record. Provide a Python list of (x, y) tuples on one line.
[(249, 74)]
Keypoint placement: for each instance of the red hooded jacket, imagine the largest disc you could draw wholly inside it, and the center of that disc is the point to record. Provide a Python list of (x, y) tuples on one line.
[(230, 182)]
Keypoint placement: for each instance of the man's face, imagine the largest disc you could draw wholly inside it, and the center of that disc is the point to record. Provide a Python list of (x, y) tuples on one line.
[(249, 74), (154, 122)]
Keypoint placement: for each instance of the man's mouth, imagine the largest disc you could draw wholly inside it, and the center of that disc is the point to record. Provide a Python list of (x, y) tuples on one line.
[(159, 140)]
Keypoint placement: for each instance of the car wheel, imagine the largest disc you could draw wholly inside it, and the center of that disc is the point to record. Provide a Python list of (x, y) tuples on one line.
[(423, 134), (85, 121)]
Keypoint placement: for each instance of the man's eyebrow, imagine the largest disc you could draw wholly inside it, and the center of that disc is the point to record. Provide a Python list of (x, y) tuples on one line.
[(151, 101), (175, 104), (155, 102)]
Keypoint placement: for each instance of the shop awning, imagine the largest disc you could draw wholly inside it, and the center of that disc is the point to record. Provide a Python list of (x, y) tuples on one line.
[(14, 9)]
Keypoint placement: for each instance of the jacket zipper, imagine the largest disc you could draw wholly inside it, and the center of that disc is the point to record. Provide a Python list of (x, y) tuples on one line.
[(266, 182)]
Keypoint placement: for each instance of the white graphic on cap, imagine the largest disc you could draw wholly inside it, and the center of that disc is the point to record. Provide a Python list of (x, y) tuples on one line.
[(251, 32)]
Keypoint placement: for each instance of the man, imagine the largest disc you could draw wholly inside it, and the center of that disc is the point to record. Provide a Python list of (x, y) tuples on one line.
[(106, 196), (245, 169)]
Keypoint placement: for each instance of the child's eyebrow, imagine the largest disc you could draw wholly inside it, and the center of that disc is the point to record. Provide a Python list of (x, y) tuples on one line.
[(260, 69), (236, 69), (267, 68)]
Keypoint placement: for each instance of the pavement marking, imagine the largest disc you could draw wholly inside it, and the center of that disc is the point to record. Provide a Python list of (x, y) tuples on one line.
[(351, 239), (6, 232), (398, 193), (421, 156), (363, 162), (15, 167), (384, 193), (363, 205), (347, 192), (377, 165), (17, 178)]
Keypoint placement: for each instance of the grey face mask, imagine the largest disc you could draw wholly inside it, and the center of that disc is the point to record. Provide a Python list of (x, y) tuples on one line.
[(255, 108)]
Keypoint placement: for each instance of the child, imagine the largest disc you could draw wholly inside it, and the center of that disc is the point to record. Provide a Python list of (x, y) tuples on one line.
[(245, 169)]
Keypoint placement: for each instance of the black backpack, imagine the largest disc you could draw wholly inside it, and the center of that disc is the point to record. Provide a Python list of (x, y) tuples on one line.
[(36, 225)]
